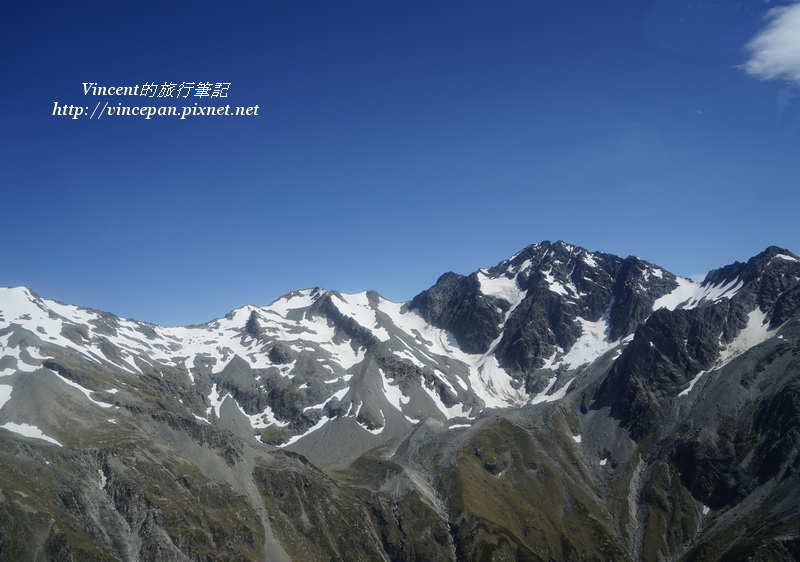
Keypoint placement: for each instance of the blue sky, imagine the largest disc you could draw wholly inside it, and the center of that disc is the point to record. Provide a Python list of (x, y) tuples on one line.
[(394, 141)]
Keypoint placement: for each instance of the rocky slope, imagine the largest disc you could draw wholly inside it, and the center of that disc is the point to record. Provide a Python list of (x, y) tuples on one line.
[(564, 404)]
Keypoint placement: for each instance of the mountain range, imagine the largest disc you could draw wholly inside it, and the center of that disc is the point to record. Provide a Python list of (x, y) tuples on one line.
[(564, 404)]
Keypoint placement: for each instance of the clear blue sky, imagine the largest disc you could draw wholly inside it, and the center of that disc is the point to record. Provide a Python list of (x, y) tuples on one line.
[(395, 140)]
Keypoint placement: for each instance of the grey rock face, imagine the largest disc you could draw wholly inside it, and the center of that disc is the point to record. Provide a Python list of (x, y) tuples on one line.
[(281, 354)]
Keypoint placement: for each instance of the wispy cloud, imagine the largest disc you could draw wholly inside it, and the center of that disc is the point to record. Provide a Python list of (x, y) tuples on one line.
[(775, 51)]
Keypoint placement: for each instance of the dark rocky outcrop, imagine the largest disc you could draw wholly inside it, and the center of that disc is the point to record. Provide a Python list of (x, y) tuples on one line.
[(456, 304)]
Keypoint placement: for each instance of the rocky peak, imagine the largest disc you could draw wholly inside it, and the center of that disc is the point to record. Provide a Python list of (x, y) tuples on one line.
[(456, 304), (637, 286)]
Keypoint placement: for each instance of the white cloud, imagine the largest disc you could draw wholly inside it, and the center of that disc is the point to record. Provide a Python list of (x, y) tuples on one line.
[(775, 51)]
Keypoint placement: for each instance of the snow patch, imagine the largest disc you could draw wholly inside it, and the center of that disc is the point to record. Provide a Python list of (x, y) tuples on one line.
[(786, 257), (756, 332), (558, 395), (85, 391), (377, 431), (293, 301), (689, 294), (297, 438), (592, 343), (264, 419), (451, 412), (685, 290), (358, 307), (494, 383), (31, 431), (753, 334), (502, 288), (392, 392), (216, 401), (691, 384), (555, 286), (5, 393)]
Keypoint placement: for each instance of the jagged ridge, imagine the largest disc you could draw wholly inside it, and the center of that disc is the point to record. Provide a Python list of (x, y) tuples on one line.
[(583, 339)]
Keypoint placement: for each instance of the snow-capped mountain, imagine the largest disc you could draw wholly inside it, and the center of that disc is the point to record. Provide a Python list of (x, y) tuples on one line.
[(606, 351)]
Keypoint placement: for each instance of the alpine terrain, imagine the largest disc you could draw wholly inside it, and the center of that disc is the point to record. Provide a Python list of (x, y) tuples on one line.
[(561, 405)]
